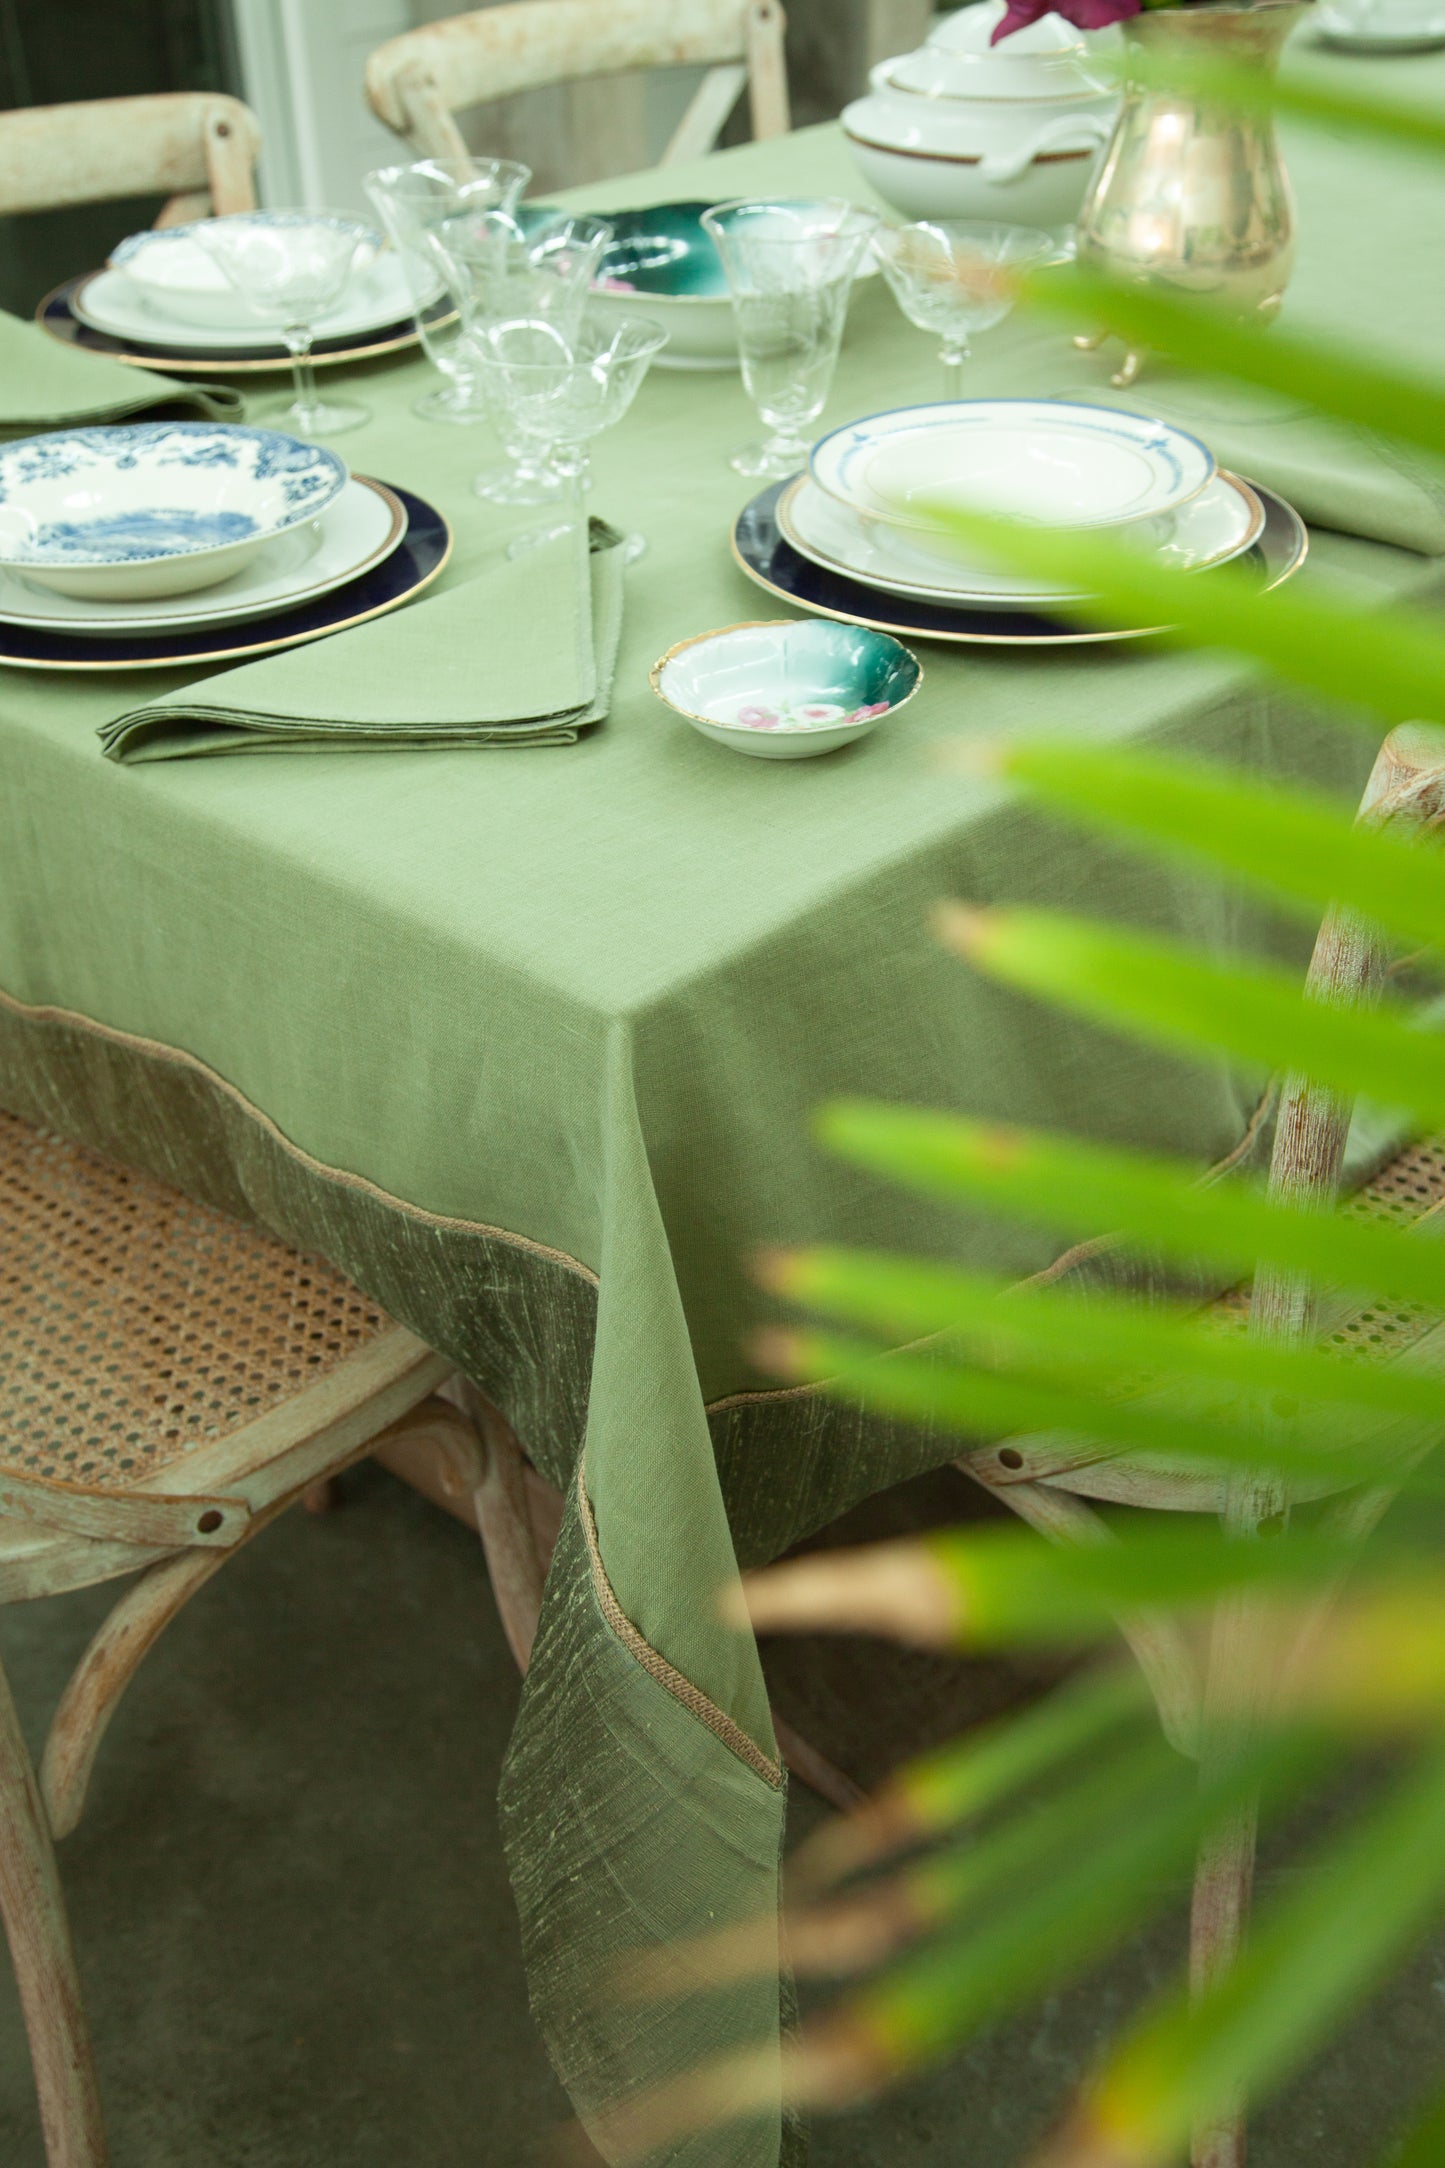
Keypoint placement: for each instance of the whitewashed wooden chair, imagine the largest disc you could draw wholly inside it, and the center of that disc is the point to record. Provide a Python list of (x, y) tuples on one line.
[(1047, 1479), (418, 82), (196, 147), (170, 1380)]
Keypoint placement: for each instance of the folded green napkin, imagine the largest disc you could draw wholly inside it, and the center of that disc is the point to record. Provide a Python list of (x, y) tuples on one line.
[(523, 655), (46, 385)]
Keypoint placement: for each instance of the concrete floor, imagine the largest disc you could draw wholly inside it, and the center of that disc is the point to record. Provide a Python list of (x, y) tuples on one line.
[(296, 1933)]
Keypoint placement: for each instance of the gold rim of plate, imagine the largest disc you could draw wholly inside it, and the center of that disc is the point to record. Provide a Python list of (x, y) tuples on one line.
[(946, 598), (259, 647), (196, 364), (1068, 638)]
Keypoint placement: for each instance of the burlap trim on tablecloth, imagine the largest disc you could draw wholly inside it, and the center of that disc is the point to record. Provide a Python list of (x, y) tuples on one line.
[(692, 1698)]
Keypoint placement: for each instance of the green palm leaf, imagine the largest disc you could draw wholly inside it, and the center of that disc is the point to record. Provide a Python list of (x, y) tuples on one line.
[(1180, 999), (1155, 1204), (1296, 845), (1099, 1333), (1311, 1960), (1385, 664)]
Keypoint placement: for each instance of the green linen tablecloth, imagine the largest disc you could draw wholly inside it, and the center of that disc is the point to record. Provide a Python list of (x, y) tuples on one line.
[(529, 1045)]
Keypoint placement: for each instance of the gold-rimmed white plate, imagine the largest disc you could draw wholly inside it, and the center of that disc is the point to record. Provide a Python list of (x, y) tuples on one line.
[(1222, 522), (55, 316), (764, 554)]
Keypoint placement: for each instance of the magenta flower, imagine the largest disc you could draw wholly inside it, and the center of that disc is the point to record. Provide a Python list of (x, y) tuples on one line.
[(1083, 14)]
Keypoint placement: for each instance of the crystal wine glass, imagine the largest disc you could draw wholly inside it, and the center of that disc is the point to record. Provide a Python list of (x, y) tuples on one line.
[(410, 201), (290, 267), (790, 268), (525, 265), (956, 276), (560, 393)]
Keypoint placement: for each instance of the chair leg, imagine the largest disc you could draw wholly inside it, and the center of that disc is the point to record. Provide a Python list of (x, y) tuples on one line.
[(128, 1632), (33, 1905), (1223, 1883), (476, 1470), (135, 1623)]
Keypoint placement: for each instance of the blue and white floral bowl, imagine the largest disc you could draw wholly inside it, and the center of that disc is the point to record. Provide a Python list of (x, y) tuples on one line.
[(154, 508), (787, 688)]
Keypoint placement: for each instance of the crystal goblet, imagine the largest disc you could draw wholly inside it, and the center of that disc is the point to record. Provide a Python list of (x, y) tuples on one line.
[(561, 393), (790, 267), (505, 267), (410, 201), (957, 276), (291, 267)]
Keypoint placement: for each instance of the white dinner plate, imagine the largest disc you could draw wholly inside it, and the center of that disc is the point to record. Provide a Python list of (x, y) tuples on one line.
[(358, 530), (1056, 463), (1223, 521), (109, 301)]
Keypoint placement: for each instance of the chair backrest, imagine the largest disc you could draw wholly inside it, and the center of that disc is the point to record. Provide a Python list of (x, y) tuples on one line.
[(416, 83), (197, 147)]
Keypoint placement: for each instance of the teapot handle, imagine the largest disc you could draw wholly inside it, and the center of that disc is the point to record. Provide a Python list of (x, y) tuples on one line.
[(1070, 130)]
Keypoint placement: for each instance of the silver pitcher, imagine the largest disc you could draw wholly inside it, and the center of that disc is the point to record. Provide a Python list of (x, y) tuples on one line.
[(1192, 193)]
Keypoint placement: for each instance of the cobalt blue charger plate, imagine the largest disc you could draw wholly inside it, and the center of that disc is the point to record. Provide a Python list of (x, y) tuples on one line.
[(761, 551), (56, 316), (417, 560)]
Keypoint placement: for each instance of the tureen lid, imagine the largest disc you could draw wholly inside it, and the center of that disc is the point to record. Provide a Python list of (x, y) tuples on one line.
[(1048, 59)]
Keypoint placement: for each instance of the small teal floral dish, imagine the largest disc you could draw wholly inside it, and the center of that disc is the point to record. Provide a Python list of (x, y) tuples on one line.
[(154, 508), (662, 263), (787, 689)]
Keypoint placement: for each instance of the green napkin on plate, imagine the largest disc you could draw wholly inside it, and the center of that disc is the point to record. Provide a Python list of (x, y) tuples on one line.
[(522, 655), (47, 385)]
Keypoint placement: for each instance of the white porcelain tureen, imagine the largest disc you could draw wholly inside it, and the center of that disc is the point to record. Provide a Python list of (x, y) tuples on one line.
[(963, 129)]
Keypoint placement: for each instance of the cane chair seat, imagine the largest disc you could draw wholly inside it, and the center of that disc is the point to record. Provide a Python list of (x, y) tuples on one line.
[(136, 1324), (1408, 1191)]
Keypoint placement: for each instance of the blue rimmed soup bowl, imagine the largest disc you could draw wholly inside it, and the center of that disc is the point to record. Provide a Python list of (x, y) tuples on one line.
[(154, 508), (787, 688), (662, 263)]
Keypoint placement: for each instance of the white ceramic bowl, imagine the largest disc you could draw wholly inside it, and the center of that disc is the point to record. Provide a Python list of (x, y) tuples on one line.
[(788, 688), (180, 277), (175, 275), (154, 508), (1049, 462)]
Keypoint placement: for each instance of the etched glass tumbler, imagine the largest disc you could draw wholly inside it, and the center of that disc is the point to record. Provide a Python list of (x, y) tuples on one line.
[(290, 267), (957, 276), (411, 202), (503, 267), (790, 268)]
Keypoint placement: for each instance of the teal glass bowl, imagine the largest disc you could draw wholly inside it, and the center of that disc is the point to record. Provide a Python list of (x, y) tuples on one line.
[(662, 263), (787, 688)]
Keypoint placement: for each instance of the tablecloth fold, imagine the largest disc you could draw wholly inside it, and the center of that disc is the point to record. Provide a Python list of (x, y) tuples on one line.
[(522, 655), (44, 385)]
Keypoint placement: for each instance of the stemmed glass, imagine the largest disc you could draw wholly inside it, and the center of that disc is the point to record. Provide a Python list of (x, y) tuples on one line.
[(560, 393), (504, 267), (956, 276), (411, 201), (790, 268), (291, 267)]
